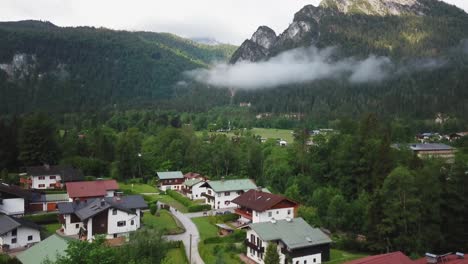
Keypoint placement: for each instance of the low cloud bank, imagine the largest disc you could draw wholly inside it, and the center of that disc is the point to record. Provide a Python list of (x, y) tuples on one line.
[(300, 65)]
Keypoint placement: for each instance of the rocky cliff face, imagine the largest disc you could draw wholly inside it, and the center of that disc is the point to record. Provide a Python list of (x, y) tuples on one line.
[(375, 7)]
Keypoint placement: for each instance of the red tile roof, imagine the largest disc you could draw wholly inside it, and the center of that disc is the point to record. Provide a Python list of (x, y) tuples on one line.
[(390, 258), (90, 188), (261, 201)]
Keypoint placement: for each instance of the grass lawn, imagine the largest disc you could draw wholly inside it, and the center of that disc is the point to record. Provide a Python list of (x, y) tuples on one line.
[(164, 222), (274, 133), (138, 188), (176, 256), (163, 198), (340, 256), (50, 229), (208, 251)]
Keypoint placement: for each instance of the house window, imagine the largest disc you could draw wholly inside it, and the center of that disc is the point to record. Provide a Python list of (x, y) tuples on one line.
[(315, 260), (305, 261), (13, 240), (41, 177), (14, 232), (30, 238), (114, 211), (209, 192), (269, 214), (252, 239), (41, 185), (52, 177), (132, 222), (77, 225), (227, 202), (121, 223), (52, 185), (219, 194), (256, 213), (259, 243), (227, 193), (297, 262), (289, 211)]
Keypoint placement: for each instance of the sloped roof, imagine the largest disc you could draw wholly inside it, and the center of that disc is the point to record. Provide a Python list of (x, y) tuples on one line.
[(430, 146), (390, 258), (8, 223), (46, 249), (231, 185), (450, 259), (16, 191), (165, 175), (90, 188), (67, 173), (192, 182), (192, 175), (260, 201), (295, 233), (91, 207)]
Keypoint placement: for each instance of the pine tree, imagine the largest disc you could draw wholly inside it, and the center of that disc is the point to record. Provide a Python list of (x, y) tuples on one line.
[(271, 254)]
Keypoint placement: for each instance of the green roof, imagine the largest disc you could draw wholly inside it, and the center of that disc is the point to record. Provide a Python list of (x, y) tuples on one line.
[(164, 175), (232, 185), (192, 182), (46, 249), (56, 197), (295, 233)]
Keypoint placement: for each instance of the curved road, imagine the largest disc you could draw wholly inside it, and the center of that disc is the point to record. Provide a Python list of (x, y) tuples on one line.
[(191, 229)]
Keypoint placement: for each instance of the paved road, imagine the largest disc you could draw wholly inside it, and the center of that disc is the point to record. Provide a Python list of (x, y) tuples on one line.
[(191, 229)]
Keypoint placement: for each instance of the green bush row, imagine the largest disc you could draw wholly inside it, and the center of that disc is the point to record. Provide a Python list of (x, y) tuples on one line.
[(191, 206), (42, 218), (198, 208), (236, 237)]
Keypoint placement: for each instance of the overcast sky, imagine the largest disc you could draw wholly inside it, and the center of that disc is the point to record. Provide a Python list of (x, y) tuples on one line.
[(229, 21)]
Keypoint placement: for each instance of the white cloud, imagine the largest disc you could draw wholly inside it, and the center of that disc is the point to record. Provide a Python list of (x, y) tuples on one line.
[(226, 20)]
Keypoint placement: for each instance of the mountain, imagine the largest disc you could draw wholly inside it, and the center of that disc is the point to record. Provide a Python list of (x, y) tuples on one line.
[(206, 41), (49, 68), (422, 39)]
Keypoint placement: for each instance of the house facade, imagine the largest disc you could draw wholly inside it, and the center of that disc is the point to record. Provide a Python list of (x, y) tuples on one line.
[(50, 177), (111, 216), (433, 150), (47, 202), (14, 200), (17, 233), (170, 180), (295, 241), (91, 189), (219, 194), (257, 206), (193, 190)]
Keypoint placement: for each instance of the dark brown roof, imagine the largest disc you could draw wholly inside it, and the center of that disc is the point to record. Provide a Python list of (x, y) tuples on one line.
[(16, 191), (67, 173), (260, 201)]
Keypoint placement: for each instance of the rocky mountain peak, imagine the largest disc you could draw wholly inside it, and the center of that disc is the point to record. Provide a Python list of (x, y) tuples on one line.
[(375, 7), (264, 36)]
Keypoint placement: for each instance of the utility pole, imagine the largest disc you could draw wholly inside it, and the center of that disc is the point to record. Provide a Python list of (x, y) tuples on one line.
[(190, 250)]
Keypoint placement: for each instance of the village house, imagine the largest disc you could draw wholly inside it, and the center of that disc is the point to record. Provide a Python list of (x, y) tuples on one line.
[(17, 233), (436, 150), (50, 177), (193, 190), (47, 202), (170, 180), (110, 216), (14, 200), (256, 206), (219, 194), (295, 239), (91, 189)]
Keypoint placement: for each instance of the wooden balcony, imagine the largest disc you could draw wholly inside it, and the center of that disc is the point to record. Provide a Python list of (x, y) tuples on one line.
[(243, 213), (253, 246)]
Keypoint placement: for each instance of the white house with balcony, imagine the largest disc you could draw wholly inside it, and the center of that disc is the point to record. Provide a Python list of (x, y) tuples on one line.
[(219, 194), (17, 233), (110, 216), (295, 240), (50, 177)]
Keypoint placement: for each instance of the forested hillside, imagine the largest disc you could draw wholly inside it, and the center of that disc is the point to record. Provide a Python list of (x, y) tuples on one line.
[(49, 68)]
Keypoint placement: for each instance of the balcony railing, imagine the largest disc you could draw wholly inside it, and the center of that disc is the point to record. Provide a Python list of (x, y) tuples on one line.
[(243, 213), (253, 246), (207, 195)]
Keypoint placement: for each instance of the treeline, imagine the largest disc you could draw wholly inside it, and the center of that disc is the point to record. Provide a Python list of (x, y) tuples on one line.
[(352, 182)]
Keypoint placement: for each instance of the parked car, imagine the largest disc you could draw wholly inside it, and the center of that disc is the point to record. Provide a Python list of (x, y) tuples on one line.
[(227, 212)]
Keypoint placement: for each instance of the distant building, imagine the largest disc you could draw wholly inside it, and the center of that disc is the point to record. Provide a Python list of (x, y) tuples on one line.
[(17, 232), (111, 216), (47, 202), (257, 206), (14, 200), (435, 150), (219, 194), (91, 189), (50, 177), (295, 240), (245, 104), (193, 190), (170, 180)]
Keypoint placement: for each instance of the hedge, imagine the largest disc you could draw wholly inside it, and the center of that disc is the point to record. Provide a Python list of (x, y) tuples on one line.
[(236, 237), (42, 218), (191, 206)]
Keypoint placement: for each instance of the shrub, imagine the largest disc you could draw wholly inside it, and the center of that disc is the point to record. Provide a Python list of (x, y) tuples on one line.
[(153, 209), (236, 237), (42, 218), (191, 206), (198, 208)]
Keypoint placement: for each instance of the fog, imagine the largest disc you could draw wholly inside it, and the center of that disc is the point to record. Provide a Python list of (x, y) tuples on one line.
[(300, 65)]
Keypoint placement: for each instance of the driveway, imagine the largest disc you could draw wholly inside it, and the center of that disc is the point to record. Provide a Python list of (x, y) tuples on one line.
[(191, 229)]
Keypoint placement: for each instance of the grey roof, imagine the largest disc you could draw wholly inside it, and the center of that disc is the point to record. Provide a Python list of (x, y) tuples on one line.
[(295, 233), (91, 207), (231, 185), (170, 175), (55, 197), (48, 248), (67, 173), (430, 146), (17, 191), (8, 223)]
